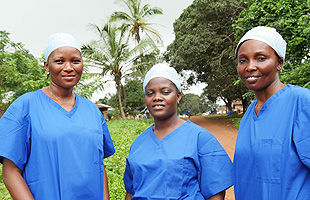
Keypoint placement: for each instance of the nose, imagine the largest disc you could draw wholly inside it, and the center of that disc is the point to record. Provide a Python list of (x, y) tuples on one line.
[(157, 97), (252, 66), (68, 67)]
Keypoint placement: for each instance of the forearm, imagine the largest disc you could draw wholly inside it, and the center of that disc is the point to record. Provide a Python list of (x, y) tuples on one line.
[(218, 196), (128, 196), (106, 195), (14, 181)]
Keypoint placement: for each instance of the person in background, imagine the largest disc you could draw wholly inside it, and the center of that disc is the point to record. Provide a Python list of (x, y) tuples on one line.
[(174, 159), (52, 141), (189, 113), (272, 154)]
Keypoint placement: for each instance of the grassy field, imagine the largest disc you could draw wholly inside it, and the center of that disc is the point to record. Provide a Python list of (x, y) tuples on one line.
[(123, 133)]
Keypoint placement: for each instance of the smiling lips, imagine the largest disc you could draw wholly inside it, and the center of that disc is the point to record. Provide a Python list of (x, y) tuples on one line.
[(158, 106), (68, 77), (252, 79)]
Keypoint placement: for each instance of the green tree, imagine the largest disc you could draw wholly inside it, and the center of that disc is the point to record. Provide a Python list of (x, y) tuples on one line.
[(136, 19), (135, 96), (291, 19), (20, 72), (204, 44), (112, 54), (196, 104)]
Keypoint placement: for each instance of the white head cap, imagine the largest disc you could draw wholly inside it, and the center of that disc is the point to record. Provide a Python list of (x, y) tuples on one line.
[(267, 35), (164, 71), (58, 40)]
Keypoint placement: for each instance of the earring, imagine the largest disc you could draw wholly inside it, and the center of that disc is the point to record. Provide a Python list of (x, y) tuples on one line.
[(48, 75)]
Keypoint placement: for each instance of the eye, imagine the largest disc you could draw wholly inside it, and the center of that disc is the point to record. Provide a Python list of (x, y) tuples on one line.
[(76, 61), (166, 92), (149, 93), (59, 61), (242, 61), (261, 58)]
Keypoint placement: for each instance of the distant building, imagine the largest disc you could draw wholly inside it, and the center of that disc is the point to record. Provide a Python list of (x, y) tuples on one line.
[(103, 108), (237, 106)]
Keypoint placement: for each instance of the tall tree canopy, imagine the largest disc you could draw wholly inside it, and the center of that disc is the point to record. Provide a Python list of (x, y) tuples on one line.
[(204, 43), (136, 19), (291, 19), (112, 54)]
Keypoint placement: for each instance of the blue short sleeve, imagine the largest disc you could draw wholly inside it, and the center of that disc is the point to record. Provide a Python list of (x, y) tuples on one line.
[(301, 131), (15, 135), (108, 143), (216, 170), (128, 178)]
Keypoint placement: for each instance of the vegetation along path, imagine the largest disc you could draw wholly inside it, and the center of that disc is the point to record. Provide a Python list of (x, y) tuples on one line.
[(225, 132)]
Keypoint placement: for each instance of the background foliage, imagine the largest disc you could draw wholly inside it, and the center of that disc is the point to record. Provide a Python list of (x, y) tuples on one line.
[(291, 19)]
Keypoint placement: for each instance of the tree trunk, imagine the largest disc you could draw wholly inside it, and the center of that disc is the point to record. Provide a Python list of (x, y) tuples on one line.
[(244, 104), (120, 100)]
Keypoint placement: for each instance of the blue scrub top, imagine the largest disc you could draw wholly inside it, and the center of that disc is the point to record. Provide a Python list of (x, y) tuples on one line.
[(272, 154), (189, 163), (61, 153)]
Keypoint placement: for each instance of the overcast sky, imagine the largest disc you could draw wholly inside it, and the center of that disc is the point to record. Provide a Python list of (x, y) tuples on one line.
[(31, 22)]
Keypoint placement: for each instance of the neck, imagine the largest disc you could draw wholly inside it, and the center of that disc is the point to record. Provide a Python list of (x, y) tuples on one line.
[(263, 95), (164, 127), (61, 92)]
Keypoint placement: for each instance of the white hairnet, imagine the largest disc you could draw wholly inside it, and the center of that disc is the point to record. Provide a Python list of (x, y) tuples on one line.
[(267, 35), (164, 71), (59, 40)]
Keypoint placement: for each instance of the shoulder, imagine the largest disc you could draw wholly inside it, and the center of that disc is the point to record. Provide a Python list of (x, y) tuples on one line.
[(297, 91), (201, 134), (299, 95), (87, 103)]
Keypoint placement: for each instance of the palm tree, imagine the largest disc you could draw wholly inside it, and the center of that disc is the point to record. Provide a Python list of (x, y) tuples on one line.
[(135, 20), (113, 55)]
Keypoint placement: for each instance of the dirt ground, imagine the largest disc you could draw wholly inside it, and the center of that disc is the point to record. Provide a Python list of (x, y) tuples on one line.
[(226, 134)]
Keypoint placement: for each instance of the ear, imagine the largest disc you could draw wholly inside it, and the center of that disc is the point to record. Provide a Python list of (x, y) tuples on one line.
[(46, 66), (179, 97), (280, 64)]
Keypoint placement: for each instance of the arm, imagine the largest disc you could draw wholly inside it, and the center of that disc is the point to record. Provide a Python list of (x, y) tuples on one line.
[(106, 195), (128, 196), (218, 196), (14, 181)]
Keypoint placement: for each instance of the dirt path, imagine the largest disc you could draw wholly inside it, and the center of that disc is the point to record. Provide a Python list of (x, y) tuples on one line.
[(226, 134)]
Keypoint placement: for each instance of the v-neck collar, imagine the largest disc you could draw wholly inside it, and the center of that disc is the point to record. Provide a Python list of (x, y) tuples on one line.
[(61, 109), (268, 102), (169, 135)]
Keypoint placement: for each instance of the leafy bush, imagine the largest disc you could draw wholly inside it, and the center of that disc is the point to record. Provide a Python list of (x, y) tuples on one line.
[(123, 132)]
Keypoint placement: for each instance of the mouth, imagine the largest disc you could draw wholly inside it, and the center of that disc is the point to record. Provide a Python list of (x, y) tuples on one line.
[(158, 106), (252, 79), (68, 77)]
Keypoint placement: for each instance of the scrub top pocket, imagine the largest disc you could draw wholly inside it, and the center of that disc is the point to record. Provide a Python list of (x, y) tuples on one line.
[(268, 159)]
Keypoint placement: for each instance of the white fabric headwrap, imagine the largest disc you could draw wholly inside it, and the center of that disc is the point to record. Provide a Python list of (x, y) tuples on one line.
[(164, 71), (58, 40), (267, 35)]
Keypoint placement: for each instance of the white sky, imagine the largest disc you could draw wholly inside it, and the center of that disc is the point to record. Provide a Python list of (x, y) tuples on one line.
[(31, 22)]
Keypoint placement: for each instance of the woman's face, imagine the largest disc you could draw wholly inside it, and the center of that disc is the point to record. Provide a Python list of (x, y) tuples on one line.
[(65, 66), (258, 65), (161, 98)]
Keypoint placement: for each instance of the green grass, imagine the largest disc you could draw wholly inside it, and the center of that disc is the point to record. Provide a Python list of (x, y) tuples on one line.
[(123, 132)]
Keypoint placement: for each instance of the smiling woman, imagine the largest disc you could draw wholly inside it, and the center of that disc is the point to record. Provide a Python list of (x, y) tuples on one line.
[(174, 159), (53, 141), (272, 157)]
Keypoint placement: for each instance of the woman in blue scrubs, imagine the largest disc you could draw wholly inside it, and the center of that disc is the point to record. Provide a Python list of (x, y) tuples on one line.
[(52, 141), (272, 154), (174, 159)]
